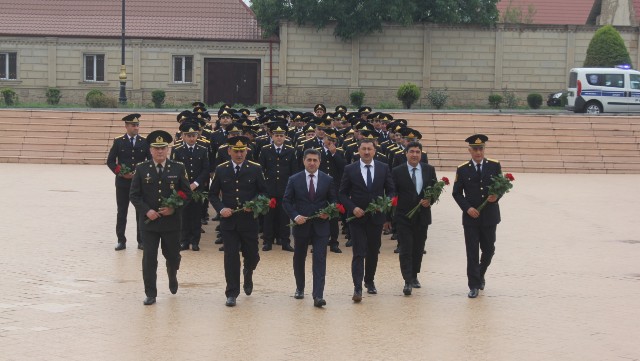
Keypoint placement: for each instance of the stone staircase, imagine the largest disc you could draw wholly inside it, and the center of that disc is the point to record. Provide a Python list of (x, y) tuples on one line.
[(523, 143)]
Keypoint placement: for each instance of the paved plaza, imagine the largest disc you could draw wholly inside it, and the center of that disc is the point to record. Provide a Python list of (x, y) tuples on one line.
[(564, 283)]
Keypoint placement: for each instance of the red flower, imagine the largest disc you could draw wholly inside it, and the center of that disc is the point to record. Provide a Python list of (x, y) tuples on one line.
[(117, 169), (445, 180), (394, 201), (340, 208), (182, 195), (272, 203), (509, 176)]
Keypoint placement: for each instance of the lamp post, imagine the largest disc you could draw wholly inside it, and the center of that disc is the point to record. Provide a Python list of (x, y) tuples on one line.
[(123, 68)]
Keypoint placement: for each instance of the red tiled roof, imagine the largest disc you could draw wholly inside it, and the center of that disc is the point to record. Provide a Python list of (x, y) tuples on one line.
[(560, 12), (177, 19)]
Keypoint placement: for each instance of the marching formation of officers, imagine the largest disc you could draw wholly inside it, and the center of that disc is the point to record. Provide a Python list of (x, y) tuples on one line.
[(303, 162)]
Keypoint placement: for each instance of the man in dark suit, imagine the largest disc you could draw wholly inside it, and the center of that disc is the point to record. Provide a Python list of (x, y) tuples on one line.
[(361, 183), (411, 179), (196, 161), (127, 150), (154, 180), (237, 181), (278, 161), (307, 193), (470, 189)]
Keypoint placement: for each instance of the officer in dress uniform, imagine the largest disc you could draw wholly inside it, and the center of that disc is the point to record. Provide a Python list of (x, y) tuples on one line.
[(155, 180), (234, 183), (278, 161), (332, 162), (470, 189), (127, 150), (196, 161)]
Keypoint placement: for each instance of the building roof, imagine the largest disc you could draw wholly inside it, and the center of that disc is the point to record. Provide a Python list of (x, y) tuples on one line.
[(557, 12), (158, 19)]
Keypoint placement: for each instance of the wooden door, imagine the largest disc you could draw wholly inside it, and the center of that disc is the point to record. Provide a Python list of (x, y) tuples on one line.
[(233, 81)]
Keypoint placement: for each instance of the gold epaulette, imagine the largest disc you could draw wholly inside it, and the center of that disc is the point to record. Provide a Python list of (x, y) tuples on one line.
[(225, 163), (266, 145), (289, 146), (254, 163), (493, 160), (179, 146), (463, 164), (223, 146)]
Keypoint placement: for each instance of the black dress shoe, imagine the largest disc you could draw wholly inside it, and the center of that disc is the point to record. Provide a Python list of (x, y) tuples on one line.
[(184, 246), (204, 221), (416, 283), (473, 293), (424, 251), (348, 244), (218, 241), (149, 301), (482, 283), (195, 247), (319, 302), (221, 249), (298, 295), (248, 282), (231, 301), (397, 250), (140, 246), (173, 280), (287, 247), (407, 289), (267, 247), (357, 296), (386, 232), (335, 249), (216, 218), (279, 242), (120, 246), (394, 237), (371, 288), (202, 230)]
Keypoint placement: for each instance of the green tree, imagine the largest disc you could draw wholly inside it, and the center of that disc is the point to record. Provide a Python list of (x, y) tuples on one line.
[(355, 18), (606, 49)]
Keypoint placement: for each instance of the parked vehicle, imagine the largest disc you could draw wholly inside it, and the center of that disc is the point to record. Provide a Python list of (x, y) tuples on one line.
[(598, 90), (554, 99)]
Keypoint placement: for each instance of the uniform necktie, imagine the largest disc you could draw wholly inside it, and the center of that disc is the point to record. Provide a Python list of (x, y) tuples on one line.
[(132, 139), (278, 151), (369, 179), (237, 169), (312, 189), (478, 170), (159, 169), (413, 177), (191, 150)]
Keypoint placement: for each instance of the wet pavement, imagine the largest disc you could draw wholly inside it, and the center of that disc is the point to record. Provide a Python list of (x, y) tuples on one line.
[(564, 283)]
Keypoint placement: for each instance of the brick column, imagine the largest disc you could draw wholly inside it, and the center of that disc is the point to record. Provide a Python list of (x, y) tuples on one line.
[(426, 58), (284, 47), (52, 66), (355, 63), (497, 79)]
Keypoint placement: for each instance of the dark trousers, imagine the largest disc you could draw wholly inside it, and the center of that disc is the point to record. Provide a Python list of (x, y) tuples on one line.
[(411, 239), (276, 225), (122, 201), (485, 238), (169, 241), (334, 228), (319, 265), (235, 241), (366, 239), (191, 223)]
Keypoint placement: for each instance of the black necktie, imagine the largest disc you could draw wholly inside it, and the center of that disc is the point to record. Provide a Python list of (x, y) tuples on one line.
[(478, 170), (413, 177), (312, 189), (160, 169), (191, 150), (237, 169), (369, 179), (278, 151), (132, 143)]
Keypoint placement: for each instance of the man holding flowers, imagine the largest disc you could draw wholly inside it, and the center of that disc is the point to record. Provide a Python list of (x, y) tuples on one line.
[(470, 190), (412, 179), (159, 191)]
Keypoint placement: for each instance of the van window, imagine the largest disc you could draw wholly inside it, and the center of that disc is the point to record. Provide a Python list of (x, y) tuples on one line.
[(610, 80), (573, 79), (634, 80)]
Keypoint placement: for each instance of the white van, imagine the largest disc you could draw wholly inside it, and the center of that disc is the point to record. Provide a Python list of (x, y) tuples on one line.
[(597, 90)]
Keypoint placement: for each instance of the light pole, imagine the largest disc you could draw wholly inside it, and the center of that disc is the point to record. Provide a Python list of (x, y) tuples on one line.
[(123, 68)]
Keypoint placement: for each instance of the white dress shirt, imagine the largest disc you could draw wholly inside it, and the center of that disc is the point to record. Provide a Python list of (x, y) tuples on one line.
[(363, 170), (419, 182)]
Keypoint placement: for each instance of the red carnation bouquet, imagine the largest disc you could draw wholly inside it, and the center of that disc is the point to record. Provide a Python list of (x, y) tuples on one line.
[(432, 193), (501, 185), (122, 169), (333, 210), (259, 206), (175, 201)]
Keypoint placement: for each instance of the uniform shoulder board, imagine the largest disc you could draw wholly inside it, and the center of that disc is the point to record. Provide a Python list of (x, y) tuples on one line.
[(206, 141), (463, 164), (254, 163), (265, 146), (179, 162), (398, 151), (288, 146), (118, 137), (223, 146), (493, 160), (143, 162), (340, 148), (180, 146), (198, 145), (225, 163)]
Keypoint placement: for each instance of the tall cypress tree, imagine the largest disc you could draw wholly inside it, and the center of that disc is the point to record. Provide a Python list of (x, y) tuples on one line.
[(606, 49)]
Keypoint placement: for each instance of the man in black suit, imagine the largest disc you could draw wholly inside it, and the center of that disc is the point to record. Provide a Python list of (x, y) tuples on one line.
[(237, 181), (196, 161), (470, 189), (278, 162), (129, 149), (411, 179), (307, 193), (154, 180), (362, 182)]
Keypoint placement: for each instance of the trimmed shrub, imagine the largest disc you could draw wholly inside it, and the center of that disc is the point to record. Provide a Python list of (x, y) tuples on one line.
[(408, 93), (53, 96), (495, 100), (157, 97), (97, 99), (357, 98), (510, 99), (437, 98), (534, 100), (10, 96), (606, 49)]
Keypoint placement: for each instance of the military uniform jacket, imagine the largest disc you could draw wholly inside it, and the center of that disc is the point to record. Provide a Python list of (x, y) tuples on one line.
[(122, 152), (229, 190), (277, 168), (333, 164), (470, 190), (148, 188), (196, 164)]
